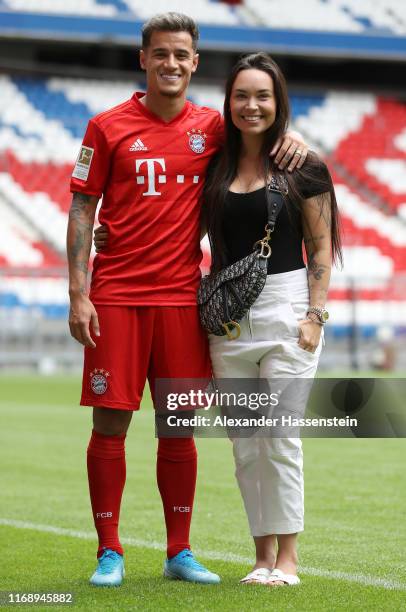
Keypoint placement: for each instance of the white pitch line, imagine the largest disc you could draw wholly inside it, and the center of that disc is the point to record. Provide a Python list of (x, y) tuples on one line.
[(209, 554)]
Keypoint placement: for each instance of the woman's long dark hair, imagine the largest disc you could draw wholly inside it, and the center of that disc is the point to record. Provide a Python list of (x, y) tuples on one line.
[(224, 167)]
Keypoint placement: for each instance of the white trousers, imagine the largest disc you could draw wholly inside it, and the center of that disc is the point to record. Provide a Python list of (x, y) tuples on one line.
[(269, 470)]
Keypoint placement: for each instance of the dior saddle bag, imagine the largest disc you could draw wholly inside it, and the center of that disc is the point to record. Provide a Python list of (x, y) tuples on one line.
[(225, 297)]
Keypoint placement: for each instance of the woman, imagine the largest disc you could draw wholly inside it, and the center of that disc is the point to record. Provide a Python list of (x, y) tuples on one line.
[(281, 336)]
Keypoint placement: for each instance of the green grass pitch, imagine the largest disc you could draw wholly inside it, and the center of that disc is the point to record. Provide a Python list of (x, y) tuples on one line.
[(352, 552)]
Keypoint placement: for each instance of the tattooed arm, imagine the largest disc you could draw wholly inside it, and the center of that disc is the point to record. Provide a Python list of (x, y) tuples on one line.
[(317, 240), (79, 241)]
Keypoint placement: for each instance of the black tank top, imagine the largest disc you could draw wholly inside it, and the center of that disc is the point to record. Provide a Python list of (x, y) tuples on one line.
[(245, 217)]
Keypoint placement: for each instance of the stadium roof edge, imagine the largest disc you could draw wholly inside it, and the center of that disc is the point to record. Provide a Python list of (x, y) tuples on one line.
[(237, 39)]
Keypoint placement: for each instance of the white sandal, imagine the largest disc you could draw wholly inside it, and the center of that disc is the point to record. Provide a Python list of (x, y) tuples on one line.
[(278, 575), (260, 575)]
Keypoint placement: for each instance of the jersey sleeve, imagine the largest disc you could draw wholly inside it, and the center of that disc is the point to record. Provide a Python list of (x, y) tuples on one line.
[(92, 164)]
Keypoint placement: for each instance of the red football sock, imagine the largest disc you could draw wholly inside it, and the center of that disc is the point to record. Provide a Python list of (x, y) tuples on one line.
[(106, 472), (176, 476)]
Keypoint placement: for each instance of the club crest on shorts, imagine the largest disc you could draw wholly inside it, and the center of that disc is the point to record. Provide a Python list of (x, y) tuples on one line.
[(197, 140), (98, 381)]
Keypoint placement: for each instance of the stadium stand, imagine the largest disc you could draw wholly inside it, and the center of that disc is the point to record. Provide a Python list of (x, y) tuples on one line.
[(297, 15), (41, 124), (380, 16), (315, 27), (201, 10), (65, 7)]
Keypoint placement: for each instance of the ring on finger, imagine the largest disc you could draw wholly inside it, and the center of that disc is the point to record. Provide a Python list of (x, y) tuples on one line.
[(298, 152)]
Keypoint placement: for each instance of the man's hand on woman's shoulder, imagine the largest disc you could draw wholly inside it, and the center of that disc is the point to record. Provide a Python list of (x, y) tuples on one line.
[(291, 151)]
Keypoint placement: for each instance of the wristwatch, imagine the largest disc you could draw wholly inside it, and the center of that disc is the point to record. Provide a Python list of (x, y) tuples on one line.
[(321, 313)]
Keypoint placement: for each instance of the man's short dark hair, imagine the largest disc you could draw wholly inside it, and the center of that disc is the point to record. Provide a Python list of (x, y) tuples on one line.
[(169, 22)]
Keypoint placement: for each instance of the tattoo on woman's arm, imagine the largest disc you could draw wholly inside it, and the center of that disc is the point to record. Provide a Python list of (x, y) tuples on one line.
[(313, 239), (325, 211), (316, 269)]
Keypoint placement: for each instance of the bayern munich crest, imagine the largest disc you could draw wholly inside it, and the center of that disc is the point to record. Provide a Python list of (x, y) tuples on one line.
[(197, 140), (98, 381)]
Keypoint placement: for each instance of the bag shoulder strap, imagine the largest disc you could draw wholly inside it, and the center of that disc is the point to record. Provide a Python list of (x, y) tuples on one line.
[(274, 206)]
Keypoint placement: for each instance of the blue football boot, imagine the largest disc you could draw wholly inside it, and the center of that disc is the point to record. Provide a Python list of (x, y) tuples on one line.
[(185, 567), (110, 569)]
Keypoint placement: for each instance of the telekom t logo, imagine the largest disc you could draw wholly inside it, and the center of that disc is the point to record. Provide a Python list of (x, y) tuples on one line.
[(150, 175), (152, 187)]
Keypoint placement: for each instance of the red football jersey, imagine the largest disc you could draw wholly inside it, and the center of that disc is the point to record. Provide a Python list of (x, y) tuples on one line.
[(151, 175)]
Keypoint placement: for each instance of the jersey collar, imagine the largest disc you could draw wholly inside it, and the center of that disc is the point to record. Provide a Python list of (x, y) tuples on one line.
[(152, 116)]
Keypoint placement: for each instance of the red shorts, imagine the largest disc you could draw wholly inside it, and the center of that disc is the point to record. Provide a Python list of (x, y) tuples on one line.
[(138, 343)]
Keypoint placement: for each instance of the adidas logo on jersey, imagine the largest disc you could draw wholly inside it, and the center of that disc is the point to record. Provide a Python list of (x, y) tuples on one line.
[(138, 145)]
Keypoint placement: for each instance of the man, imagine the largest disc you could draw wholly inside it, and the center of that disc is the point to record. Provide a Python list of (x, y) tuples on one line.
[(147, 157)]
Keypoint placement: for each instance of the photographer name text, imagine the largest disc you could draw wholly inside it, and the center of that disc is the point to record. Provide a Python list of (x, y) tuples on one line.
[(262, 421)]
